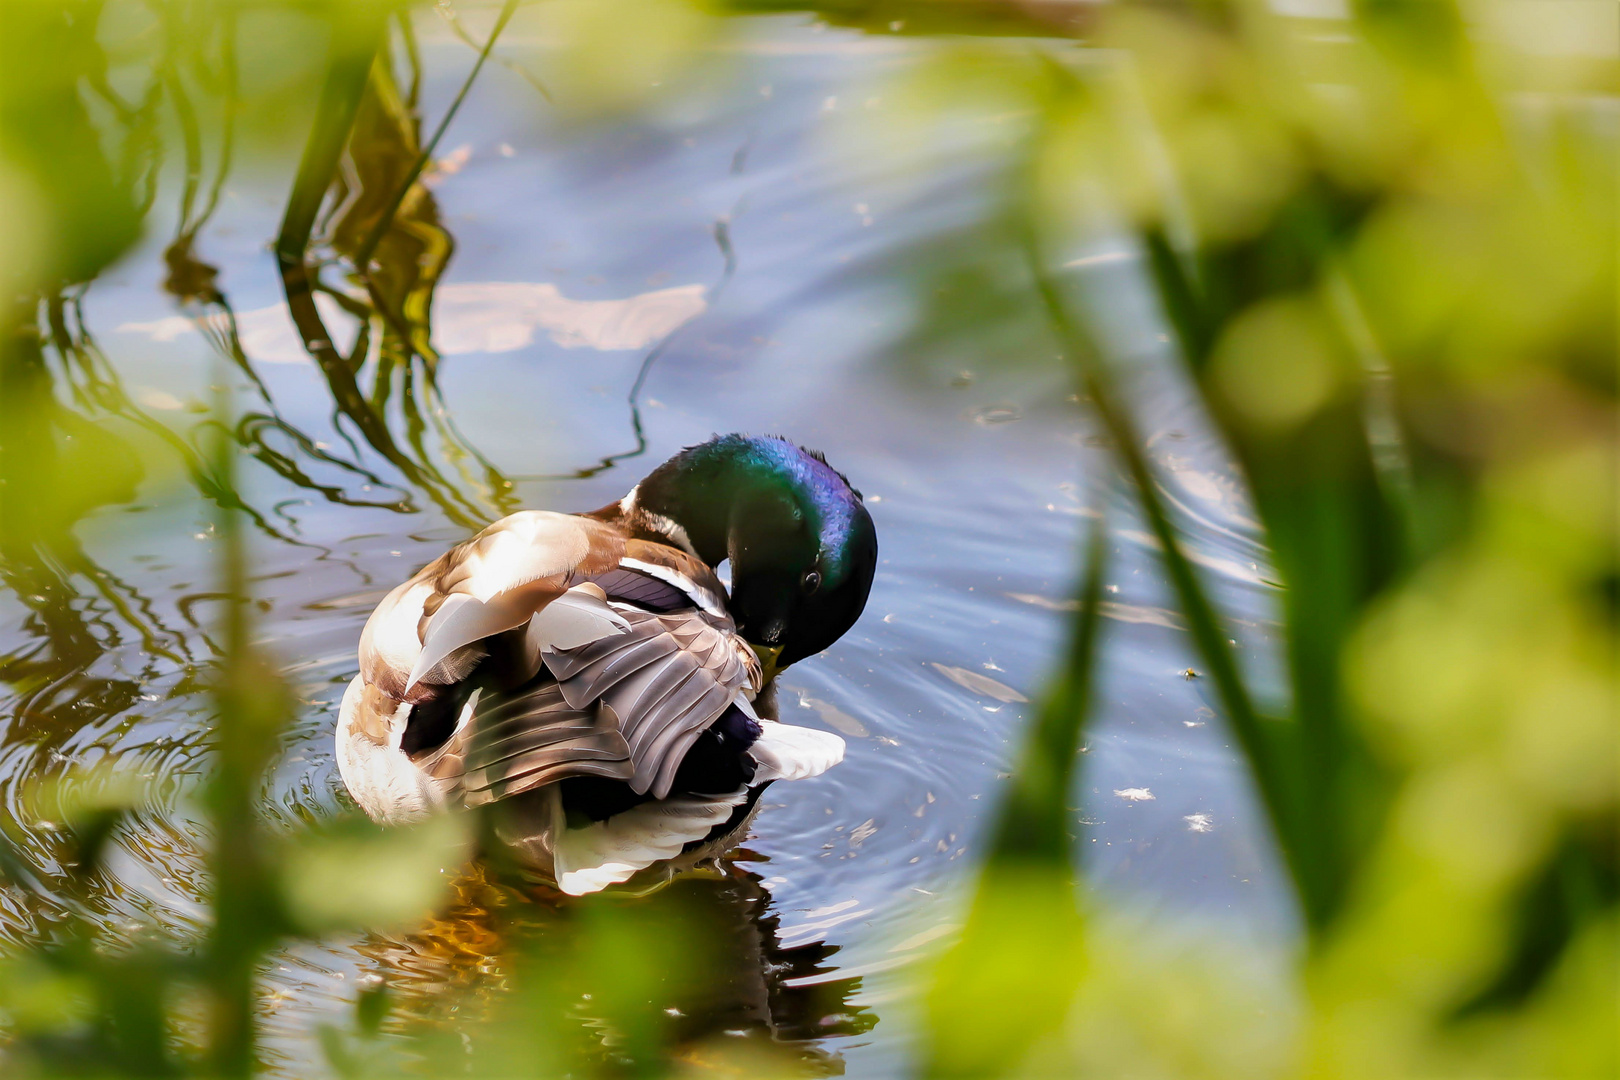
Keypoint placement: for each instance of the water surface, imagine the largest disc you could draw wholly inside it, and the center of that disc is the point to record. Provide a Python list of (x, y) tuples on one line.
[(760, 270)]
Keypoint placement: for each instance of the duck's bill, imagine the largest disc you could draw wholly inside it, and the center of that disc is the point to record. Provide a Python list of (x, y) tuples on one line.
[(768, 655)]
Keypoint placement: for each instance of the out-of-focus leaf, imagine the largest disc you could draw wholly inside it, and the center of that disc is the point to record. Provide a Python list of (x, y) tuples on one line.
[(39, 998), (353, 873), (1010, 980), (606, 56), (46, 136)]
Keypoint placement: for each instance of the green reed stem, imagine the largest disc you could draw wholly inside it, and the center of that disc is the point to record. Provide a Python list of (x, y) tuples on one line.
[(1259, 744), (252, 711), (1009, 981), (1035, 821)]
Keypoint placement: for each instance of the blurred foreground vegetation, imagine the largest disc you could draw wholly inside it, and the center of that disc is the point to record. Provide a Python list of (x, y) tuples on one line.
[(1385, 239)]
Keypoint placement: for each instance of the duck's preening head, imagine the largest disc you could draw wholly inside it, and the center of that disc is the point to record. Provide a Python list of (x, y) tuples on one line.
[(802, 546)]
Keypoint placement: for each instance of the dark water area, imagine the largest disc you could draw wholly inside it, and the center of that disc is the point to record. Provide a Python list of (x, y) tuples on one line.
[(750, 253)]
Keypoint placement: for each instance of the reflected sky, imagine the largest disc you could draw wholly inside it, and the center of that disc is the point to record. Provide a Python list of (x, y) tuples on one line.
[(473, 317)]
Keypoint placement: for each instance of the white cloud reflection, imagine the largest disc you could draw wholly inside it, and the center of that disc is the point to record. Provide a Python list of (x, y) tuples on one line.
[(477, 317)]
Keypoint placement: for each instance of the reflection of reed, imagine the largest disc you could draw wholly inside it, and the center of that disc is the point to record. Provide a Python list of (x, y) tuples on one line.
[(392, 308), (384, 224), (64, 701), (193, 282), (363, 163), (40, 549)]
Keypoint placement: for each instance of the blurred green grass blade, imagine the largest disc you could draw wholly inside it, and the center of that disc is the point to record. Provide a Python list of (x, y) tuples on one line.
[(1335, 500), (253, 709), (1577, 887), (1034, 819), (1179, 298), (1261, 746), (1386, 442), (1010, 979)]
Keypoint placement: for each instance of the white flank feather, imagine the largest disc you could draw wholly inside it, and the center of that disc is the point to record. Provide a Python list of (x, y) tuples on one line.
[(785, 752), (577, 617), (607, 852)]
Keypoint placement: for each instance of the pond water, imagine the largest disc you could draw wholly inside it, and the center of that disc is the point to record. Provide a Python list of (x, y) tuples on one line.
[(760, 266)]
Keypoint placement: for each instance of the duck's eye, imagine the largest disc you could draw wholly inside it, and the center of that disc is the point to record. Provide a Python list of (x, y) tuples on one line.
[(810, 582)]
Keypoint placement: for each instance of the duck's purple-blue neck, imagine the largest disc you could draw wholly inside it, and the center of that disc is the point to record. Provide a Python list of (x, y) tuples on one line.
[(801, 544)]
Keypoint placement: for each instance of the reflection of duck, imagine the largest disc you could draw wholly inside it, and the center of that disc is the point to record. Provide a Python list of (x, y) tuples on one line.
[(713, 944), (589, 674)]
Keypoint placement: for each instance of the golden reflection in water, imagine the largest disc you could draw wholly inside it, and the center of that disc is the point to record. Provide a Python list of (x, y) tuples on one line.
[(492, 941)]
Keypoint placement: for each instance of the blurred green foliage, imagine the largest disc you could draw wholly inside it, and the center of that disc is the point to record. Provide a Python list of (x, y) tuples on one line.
[(1386, 245)]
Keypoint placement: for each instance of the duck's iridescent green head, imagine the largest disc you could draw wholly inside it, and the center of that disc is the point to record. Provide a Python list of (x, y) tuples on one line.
[(802, 546)]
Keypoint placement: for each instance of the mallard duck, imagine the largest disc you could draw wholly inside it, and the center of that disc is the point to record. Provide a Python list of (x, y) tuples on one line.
[(590, 676)]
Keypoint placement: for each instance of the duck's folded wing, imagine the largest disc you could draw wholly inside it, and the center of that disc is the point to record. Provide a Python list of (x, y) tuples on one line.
[(536, 738), (626, 702), (666, 677), (427, 632)]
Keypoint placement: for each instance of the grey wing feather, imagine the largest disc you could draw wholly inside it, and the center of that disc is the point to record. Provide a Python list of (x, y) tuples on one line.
[(627, 706), (686, 700), (525, 742), (666, 676), (681, 699), (611, 660), (646, 689)]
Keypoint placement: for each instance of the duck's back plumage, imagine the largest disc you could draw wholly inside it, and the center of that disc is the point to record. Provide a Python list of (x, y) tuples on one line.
[(553, 654)]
